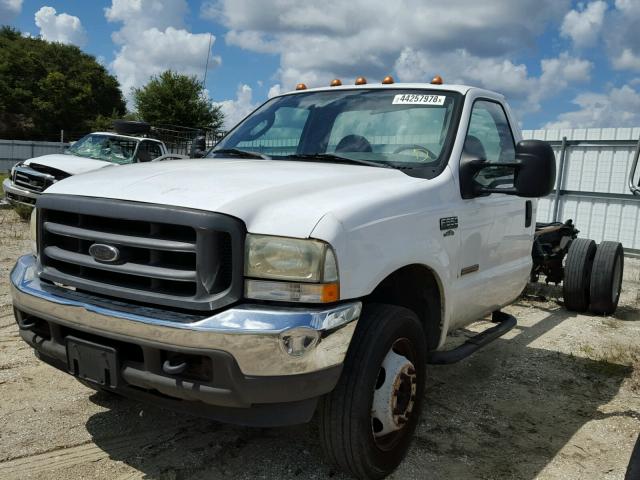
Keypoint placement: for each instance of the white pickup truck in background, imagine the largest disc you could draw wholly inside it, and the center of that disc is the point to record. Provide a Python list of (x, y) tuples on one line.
[(31, 177), (313, 263)]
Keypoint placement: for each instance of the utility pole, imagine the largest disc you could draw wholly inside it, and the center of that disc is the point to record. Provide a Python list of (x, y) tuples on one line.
[(206, 67)]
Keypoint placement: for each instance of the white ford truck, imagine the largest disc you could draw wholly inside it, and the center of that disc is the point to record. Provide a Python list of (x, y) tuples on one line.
[(312, 263), (29, 178)]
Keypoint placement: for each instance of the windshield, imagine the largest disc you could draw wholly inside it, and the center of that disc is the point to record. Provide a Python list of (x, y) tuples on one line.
[(408, 129), (109, 148)]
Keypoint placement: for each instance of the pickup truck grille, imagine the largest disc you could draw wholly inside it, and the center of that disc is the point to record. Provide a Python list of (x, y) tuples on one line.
[(32, 180), (182, 258)]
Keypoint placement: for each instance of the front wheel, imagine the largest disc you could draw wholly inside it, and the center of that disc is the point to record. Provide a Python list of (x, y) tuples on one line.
[(367, 421)]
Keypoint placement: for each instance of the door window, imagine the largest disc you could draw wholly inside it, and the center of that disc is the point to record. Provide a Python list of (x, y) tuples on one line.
[(489, 137), (147, 151)]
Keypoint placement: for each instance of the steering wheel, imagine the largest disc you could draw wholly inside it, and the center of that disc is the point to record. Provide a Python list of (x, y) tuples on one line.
[(430, 155)]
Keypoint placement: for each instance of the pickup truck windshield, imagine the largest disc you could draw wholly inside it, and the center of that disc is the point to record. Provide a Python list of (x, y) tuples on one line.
[(408, 129), (109, 148)]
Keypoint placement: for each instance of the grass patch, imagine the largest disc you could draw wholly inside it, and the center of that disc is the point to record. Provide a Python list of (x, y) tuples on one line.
[(614, 361), (24, 212)]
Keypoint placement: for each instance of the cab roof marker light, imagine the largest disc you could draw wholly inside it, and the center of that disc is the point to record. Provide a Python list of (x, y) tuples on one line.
[(437, 80), (335, 82), (388, 80), (301, 86), (361, 81)]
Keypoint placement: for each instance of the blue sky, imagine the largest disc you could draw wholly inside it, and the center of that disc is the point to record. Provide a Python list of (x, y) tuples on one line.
[(561, 63)]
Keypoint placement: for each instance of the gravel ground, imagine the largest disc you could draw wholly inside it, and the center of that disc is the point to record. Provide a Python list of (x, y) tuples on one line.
[(556, 398)]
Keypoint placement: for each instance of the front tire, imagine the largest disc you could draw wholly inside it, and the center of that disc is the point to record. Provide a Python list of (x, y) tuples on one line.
[(367, 421)]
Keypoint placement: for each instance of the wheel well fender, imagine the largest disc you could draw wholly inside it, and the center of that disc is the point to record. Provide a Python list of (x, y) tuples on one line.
[(418, 288)]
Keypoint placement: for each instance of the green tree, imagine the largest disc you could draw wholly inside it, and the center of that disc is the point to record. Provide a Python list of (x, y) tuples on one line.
[(176, 99), (46, 87)]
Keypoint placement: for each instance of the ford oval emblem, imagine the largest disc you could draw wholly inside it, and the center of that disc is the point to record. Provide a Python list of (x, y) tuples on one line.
[(104, 253)]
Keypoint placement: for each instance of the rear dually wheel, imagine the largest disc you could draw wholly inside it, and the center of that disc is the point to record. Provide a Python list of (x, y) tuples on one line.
[(577, 274)]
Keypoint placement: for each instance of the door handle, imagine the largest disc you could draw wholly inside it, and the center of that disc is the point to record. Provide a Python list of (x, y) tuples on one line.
[(528, 213)]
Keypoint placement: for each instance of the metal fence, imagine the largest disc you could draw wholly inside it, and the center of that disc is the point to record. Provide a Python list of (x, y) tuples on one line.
[(13, 151), (592, 172), (177, 139), (591, 188)]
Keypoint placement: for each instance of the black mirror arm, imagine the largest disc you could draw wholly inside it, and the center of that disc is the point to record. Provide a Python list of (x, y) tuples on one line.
[(470, 166), (507, 191)]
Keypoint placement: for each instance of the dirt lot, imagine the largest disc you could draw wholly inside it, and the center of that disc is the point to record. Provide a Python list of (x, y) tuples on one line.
[(557, 398)]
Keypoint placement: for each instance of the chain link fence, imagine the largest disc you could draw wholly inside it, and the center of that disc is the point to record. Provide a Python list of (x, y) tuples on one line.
[(178, 140)]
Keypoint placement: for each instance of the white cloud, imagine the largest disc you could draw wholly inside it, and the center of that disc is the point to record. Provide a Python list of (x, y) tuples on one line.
[(583, 26), (236, 110), (153, 51), (466, 42), (274, 91), (627, 60), (61, 27), (317, 42), (621, 35), (619, 107), (513, 80), (153, 39), (137, 15), (9, 9)]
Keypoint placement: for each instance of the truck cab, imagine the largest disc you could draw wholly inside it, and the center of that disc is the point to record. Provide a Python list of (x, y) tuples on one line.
[(313, 262)]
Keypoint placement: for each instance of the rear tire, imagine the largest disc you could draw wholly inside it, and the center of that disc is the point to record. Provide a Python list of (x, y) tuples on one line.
[(577, 274), (606, 278), (350, 415)]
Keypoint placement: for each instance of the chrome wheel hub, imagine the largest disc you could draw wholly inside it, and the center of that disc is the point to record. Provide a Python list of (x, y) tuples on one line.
[(394, 394)]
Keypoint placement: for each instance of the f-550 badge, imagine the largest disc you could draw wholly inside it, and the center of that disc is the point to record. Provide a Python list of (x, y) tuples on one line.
[(448, 223)]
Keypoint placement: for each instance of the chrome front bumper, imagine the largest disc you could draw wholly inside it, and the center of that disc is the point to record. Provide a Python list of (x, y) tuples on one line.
[(252, 334), (19, 195)]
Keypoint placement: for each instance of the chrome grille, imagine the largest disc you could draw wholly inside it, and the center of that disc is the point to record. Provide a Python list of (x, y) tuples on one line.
[(181, 258), (33, 180)]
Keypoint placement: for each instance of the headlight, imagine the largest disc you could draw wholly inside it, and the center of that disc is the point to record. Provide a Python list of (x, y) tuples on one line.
[(305, 270), (13, 170), (33, 231), (280, 258)]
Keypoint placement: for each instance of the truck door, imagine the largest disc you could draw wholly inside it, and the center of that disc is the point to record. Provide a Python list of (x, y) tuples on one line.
[(496, 230)]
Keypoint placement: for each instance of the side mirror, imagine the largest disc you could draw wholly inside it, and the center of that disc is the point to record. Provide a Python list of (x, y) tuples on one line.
[(534, 172)]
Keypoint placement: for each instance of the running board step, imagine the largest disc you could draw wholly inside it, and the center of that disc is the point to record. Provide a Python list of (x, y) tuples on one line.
[(504, 321)]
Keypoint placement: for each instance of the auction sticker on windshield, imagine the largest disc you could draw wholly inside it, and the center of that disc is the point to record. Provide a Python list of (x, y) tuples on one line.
[(417, 99)]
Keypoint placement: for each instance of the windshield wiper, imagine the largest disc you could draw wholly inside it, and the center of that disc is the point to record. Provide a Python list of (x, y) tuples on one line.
[(332, 157), (241, 153)]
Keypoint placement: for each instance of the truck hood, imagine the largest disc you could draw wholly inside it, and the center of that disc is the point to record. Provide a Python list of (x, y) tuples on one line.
[(70, 164), (271, 197)]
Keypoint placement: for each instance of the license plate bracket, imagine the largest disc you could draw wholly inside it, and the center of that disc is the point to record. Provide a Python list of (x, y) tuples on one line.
[(93, 362)]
